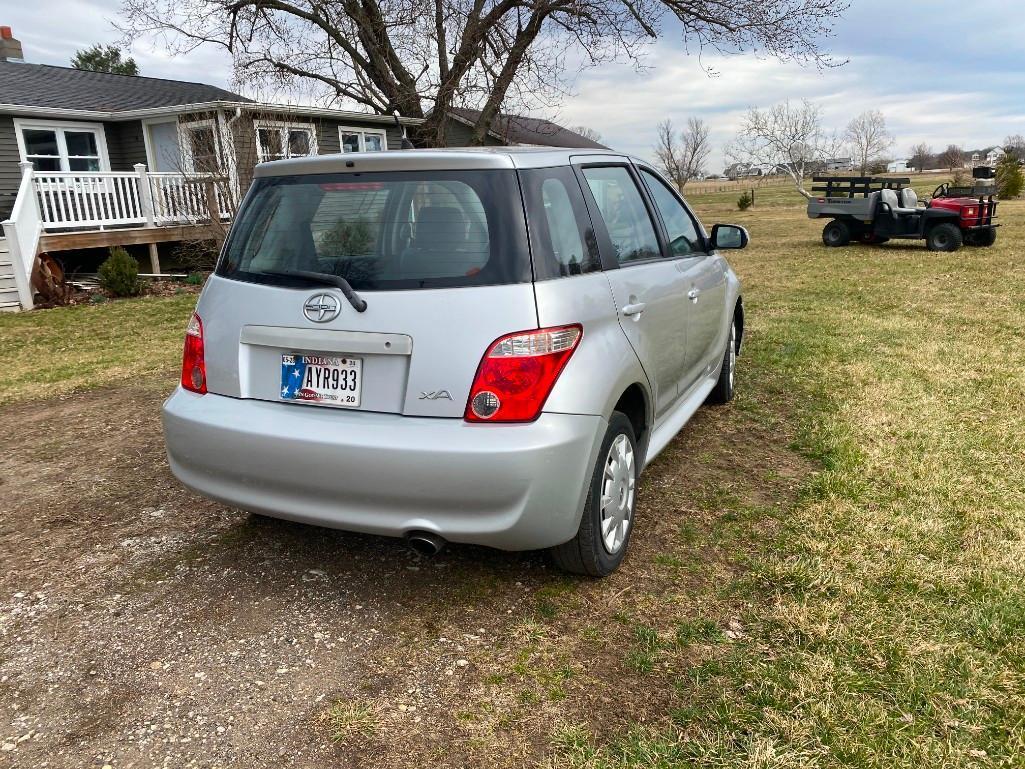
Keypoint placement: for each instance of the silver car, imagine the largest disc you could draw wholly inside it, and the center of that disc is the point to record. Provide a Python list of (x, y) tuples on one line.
[(482, 346)]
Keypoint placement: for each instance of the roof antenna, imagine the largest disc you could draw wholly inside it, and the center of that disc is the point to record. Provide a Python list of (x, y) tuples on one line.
[(405, 144)]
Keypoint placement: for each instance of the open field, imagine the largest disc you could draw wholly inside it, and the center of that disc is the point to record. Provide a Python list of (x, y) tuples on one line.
[(827, 572)]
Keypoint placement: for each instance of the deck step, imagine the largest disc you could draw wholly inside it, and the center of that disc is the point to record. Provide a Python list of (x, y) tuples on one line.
[(9, 306)]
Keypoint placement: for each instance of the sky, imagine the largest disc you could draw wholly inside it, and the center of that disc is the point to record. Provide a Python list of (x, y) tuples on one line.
[(941, 72)]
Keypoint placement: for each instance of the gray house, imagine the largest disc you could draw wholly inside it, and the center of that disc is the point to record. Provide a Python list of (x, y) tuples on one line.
[(92, 159)]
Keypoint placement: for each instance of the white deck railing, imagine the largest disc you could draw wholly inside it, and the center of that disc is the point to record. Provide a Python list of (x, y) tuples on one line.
[(101, 199), (71, 201)]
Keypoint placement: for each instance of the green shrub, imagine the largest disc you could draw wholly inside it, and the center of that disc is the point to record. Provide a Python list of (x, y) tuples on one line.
[(120, 273), (1010, 180), (195, 279), (745, 201)]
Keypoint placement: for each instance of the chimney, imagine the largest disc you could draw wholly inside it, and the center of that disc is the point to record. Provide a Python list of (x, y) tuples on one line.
[(10, 48)]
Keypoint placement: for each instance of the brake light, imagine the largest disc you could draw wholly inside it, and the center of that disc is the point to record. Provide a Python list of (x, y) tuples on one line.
[(518, 372), (194, 358), (968, 213)]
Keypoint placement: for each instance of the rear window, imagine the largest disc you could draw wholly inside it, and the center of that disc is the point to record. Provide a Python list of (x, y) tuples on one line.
[(382, 231)]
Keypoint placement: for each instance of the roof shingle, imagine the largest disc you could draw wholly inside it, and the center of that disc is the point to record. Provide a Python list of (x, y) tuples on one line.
[(43, 85), (517, 129)]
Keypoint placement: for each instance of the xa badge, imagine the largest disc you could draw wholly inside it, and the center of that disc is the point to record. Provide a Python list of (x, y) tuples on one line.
[(320, 308), (436, 395)]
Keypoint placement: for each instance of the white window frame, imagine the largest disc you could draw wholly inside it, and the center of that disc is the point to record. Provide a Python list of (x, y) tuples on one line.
[(184, 140), (283, 126), (59, 127), (362, 132)]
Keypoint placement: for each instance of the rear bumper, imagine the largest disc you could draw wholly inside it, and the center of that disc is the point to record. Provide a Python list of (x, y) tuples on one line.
[(514, 487)]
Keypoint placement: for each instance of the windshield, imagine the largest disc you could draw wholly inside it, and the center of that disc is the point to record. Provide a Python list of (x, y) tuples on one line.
[(382, 231)]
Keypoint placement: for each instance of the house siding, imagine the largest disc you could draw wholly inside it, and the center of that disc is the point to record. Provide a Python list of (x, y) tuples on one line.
[(459, 134), (10, 174), (125, 144)]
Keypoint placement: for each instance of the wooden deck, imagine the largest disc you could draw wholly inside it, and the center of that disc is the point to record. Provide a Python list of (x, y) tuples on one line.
[(136, 236)]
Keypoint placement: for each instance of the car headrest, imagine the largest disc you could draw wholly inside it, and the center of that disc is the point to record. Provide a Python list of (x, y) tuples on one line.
[(909, 197), (890, 198), (440, 227)]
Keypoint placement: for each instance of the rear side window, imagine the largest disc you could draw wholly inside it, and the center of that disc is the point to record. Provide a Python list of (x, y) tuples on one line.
[(561, 239), (624, 213), (683, 233), (383, 231)]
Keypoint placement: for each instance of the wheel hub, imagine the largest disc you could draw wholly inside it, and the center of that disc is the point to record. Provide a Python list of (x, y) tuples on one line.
[(617, 494)]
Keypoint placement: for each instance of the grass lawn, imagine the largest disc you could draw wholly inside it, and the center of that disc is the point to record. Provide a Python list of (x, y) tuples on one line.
[(54, 352), (879, 608)]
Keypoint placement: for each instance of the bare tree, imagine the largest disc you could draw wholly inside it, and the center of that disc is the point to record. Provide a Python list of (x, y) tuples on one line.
[(682, 156), (868, 138), (787, 138), (587, 133), (1015, 145), (921, 154), (422, 57), (952, 157)]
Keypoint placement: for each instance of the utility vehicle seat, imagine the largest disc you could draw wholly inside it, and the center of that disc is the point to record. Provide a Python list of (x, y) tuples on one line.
[(890, 198), (909, 198)]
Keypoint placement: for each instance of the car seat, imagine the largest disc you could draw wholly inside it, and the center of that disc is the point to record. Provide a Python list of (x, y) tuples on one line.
[(440, 249), (909, 198)]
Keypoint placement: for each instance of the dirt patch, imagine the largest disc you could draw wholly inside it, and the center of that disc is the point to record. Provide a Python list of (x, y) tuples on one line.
[(144, 626)]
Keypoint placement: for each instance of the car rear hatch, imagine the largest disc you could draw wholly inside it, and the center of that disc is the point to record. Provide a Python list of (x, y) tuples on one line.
[(439, 256)]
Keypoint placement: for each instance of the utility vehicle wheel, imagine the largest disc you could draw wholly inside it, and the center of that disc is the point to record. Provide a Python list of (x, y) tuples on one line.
[(943, 237), (836, 233), (607, 520), (723, 390), (985, 238)]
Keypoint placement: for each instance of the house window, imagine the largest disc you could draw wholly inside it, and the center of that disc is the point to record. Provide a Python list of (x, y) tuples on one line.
[(53, 147), (275, 141), (363, 139), (202, 149)]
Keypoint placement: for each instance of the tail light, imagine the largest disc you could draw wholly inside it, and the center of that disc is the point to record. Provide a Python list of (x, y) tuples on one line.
[(518, 372), (194, 358)]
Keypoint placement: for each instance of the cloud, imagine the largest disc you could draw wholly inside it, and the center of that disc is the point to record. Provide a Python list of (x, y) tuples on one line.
[(940, 72)]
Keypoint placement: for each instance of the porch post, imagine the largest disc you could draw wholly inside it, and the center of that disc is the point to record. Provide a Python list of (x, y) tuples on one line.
[(145, 194)]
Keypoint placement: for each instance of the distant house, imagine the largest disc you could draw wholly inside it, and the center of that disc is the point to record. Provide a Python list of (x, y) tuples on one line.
[(900, 166), (838, 164)]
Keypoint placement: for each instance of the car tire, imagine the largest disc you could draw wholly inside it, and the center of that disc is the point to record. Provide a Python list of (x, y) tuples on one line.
[(943, 237), (598, 548), (723, 390), (836, 233)]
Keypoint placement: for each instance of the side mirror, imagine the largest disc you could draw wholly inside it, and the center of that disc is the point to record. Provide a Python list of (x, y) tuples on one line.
[(729, 236)]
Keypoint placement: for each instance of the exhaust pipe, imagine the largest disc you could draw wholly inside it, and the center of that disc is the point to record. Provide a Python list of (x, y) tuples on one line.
[(425, 543)]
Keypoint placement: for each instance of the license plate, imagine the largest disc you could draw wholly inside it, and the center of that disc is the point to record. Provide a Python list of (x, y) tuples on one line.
[(325, 379)]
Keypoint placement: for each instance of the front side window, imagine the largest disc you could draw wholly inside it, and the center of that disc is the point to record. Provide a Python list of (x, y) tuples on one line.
[(363, 139), (623, 211), (276, 141), (62, 148), (561, 239), (381, 231), (684, 238)]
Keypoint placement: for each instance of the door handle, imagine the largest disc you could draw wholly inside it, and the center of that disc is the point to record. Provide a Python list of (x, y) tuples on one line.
[(693, 294), (634, 309)]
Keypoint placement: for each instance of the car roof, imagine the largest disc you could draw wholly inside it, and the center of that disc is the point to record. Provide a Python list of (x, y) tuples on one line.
[(449, 159)]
